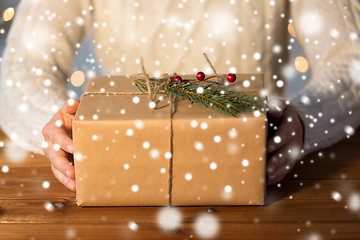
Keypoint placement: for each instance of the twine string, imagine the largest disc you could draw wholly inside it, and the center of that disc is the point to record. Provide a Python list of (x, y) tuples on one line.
[(220, 79), (152, 98), (148, 84)]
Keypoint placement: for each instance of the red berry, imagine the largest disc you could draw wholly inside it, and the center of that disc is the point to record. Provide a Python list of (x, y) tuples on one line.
[(231, 77), (200, 76), (177, 79)]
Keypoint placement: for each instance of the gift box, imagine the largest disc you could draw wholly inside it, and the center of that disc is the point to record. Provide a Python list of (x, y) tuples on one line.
[(128, 154)]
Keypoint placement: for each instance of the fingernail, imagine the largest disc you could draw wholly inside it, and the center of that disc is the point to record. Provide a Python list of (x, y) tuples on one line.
[(69, 148), (69, 185), (68, 173)]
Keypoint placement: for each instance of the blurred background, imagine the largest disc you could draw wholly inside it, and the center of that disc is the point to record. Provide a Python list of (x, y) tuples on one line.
[(296, 73)]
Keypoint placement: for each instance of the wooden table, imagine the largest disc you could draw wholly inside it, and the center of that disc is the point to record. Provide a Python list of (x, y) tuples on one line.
[(303, 207)]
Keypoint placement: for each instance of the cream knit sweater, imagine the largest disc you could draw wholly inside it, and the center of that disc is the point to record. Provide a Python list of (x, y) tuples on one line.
[(238, 35)]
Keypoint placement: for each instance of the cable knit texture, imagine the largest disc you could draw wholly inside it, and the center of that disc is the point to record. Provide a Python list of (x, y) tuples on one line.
[(42, 43)]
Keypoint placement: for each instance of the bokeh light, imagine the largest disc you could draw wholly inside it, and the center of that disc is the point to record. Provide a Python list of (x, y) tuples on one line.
[(310, 23), (291, 30), (301, 64), (77, 78), (8, 14)]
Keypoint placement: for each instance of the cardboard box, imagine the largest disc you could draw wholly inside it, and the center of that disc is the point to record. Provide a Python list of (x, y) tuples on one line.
[(127, 154)]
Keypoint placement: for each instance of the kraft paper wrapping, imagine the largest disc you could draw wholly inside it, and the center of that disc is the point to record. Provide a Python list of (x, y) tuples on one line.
[(127, 154)]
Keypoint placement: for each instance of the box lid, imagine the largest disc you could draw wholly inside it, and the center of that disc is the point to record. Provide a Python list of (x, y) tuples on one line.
[(104, 97)]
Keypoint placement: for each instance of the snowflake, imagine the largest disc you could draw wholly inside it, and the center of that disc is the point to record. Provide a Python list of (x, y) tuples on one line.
[(245, 162), (146, 144), (134, 188), (204, 125), (349, 130), (46, 184), (193, 123), (277, 139), (257, 56), (217, 139), (5, 169), (206, 225), (336, 196), (129, 132), (200, 90), (246, 83), (49, 206), (354, 202), (154, 153), (198, 146), (311, 23), (188, 176), (213, 165), (169, 219)]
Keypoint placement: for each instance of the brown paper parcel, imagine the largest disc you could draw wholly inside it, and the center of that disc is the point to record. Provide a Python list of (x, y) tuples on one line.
[(127, 154)]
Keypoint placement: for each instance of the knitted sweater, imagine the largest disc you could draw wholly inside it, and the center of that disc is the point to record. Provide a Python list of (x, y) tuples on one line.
[(243, 36)]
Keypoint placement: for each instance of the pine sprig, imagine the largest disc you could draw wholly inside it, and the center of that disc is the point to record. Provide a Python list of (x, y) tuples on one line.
[(206, 94)]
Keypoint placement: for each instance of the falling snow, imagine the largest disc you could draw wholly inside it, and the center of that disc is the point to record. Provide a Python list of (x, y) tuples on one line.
[(349, 130), (134, 188), (206, 226), (194, 123), (310, 24), (129, 132), (49, 206), (336, 196), (354, 202), (169, 219), (204, 125), (188, 176), (198, 146), (228, 188), (277, 139), (245, 162), (146, 145), (5, 169), (133, 226), (136, 100), (46, 184), (213, 166), (217, 139)]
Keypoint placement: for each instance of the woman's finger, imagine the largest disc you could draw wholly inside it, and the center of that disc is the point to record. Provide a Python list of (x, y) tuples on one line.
[(284, 158), (288, 128), (59, 160), (281, 172), (71, 106), (274, 179), (67, 114), (275, 107), (57, 134), (69, 183)]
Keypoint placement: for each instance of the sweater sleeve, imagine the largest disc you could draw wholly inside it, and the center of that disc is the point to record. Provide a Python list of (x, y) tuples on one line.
[(329, 105), (36, 63)]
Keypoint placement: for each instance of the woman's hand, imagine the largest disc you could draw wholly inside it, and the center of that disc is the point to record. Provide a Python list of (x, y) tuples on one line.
[(286, 141), (59, 146)]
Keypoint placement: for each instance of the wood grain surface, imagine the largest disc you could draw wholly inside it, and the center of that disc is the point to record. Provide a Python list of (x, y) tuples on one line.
[(301, 207)]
